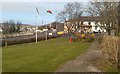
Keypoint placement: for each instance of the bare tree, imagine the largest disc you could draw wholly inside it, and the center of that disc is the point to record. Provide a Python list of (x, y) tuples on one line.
[(69, 8), (107, 12), (18, 25), (62, 16), (11, 26), (6, 27), (118, 30), (78, 11), (71, 13)]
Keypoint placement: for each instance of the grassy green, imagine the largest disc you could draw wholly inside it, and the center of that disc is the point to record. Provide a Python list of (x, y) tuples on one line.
[(42, 56)]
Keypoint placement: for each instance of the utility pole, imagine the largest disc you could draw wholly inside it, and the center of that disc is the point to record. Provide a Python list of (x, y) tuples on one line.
[(46, 32), (36, 28), (56, 27), (42, 22), (56, 24)]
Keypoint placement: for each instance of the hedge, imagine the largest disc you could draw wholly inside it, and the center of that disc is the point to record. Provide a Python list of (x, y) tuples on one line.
[(25, 40), (109, 46)]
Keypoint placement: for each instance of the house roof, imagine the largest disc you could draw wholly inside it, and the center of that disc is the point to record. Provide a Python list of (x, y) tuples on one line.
[(85, 18)]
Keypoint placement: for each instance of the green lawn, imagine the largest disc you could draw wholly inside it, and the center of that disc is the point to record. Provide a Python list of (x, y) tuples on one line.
[(42, 56)]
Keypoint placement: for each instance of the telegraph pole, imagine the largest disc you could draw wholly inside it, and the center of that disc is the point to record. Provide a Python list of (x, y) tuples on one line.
[(56, 24), (46, 32), (36, 28), (56, 27)]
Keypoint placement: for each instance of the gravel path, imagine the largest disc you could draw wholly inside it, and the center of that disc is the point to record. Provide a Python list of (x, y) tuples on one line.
[(85, 62)]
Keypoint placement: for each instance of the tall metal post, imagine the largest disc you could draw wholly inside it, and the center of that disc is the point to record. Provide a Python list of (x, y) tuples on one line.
[(36, 23), (36, 28), (46, 32), (56, 28), (56, 24)]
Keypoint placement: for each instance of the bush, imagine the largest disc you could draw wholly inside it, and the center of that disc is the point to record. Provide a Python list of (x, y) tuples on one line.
[(77, 39), (109, 46), (25, 40)]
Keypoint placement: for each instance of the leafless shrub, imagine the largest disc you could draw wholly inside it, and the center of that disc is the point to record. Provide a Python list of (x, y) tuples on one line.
[(110, 49)]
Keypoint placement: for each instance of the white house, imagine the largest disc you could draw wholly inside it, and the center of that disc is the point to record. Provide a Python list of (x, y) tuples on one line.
[(87, 24), (1, 29)]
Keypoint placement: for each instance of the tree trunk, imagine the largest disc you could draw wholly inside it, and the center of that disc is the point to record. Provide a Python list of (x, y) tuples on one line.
[(119, 26), (109, 32), (108, 28), (118, 33)]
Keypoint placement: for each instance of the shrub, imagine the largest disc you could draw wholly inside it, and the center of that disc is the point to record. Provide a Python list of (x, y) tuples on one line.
[(25, 40), (109, 46), (90, 39)]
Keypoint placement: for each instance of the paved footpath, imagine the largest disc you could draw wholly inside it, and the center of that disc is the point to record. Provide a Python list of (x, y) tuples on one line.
[(85, 62)]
